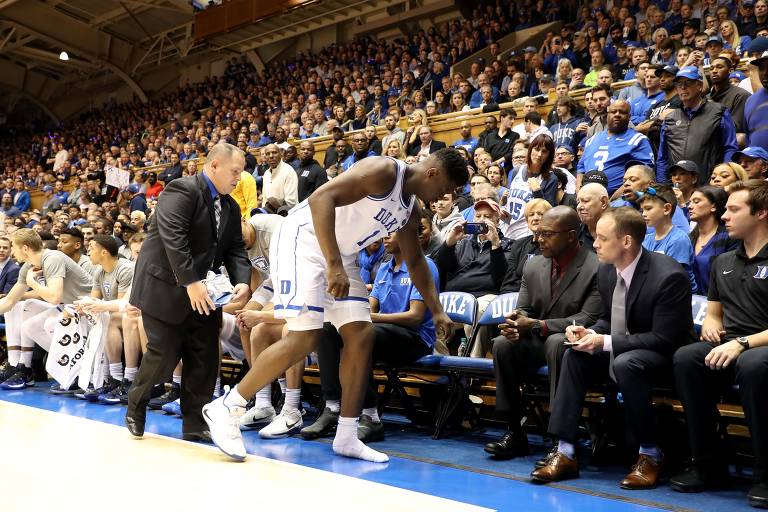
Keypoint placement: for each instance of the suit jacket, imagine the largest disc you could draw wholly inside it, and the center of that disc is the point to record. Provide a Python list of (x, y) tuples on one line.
[(576, 299), (433, 147), (182, 246), (658, 306), (9, 276)]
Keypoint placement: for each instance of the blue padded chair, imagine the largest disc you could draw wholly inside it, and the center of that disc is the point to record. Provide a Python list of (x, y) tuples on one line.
[(458, 368), (461, 308)]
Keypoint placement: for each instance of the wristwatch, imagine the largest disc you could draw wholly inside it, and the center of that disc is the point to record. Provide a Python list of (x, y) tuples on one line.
[(536, 329), (743, 341)]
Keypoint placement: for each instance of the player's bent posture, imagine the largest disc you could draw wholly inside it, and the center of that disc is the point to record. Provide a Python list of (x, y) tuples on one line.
[(313, 267)]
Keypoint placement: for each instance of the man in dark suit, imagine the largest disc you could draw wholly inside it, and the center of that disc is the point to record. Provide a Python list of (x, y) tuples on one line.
[(195, 228), (559, 288), (646, 316), (9, 273), (427, 145)]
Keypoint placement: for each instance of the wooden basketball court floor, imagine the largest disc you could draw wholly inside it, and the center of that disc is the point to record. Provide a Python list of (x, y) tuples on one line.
[(62, 454)]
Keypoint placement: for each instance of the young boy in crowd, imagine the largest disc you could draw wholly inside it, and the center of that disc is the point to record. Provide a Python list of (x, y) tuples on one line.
[(657, 206)]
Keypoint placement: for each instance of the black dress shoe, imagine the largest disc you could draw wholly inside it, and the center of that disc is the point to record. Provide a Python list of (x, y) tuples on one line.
[(203, 436), (758, 495), (512, 444), (699, 477), (545, 460), (324, 425), (135, 426)]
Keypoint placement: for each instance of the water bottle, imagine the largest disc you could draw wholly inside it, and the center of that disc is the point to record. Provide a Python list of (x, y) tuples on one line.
[(462, 347)]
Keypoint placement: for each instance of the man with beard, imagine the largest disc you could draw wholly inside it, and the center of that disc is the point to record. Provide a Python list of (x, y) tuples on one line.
[(731, 97)]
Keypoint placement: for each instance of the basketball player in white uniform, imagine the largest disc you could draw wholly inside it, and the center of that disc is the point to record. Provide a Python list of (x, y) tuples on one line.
[(313, 268)]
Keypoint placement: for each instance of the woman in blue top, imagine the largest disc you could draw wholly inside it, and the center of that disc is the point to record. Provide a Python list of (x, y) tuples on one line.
[(709, 238)]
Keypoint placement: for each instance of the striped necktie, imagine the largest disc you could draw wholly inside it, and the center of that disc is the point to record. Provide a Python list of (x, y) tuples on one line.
[(217, 211)]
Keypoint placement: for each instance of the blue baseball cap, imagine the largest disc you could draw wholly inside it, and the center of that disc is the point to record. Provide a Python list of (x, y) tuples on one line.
[(754, 152), (47, 188), (738, 75), (565, 146), (134, 188), (689, 72), (758, 45), (717, 38)]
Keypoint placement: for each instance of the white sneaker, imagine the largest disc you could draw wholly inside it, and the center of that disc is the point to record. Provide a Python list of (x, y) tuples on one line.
[(224, 424), (285, 424), (256, 416)]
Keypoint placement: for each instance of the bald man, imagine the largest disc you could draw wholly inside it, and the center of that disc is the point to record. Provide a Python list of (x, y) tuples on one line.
[(559, 288), (592, 201)]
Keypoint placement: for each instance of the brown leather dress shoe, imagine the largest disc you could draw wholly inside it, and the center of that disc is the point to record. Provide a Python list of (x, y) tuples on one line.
[(559, 467), (644, 474)]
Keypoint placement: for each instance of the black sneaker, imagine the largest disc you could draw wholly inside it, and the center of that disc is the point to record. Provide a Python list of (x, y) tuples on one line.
[(369, 431), (92, 395), (124, 388), (173, 393), (24, 377), (324, 425), (7, 371), (56, 389)]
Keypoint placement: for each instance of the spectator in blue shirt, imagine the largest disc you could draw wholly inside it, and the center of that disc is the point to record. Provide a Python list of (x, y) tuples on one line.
[(709, 238), (657, 206), (467, 141), (59, 192), (138, 199), (653, 95), (756, 109), (611, 150), (369, 260), (564, 131), (477, 98), (360, 151), (403, 332), (21, 199)]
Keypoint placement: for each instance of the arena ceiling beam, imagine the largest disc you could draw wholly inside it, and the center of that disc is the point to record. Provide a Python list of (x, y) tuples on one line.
[(77, 38)]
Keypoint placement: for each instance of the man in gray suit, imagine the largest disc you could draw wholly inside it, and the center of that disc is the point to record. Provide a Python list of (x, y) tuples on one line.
[(559, 287)]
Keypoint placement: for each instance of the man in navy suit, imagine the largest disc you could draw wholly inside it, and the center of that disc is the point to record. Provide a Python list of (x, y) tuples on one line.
[(646, 317), (9, 273), (9, 269)]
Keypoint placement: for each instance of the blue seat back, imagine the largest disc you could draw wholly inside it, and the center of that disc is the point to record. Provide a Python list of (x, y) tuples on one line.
[(699, 310), (499, 308), (461, 307)]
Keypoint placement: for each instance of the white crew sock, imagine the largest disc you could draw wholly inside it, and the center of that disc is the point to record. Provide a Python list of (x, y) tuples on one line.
[(26, 358), (292, 397), (333, 405), (130, 374), (233, 398), (566, 448), (347, 444), (116, 370), (372, 413), (264, 397), (177, 379), (13, 357), (283, 384)]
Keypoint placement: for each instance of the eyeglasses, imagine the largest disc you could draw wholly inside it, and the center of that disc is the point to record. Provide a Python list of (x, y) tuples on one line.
[(550, 234)]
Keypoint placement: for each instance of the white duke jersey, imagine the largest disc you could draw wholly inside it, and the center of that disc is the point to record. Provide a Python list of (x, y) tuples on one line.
[(363, 222)]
